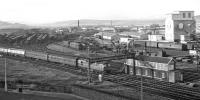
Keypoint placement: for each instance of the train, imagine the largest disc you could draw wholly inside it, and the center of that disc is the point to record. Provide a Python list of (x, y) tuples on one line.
[(68, 60), (162, 45)]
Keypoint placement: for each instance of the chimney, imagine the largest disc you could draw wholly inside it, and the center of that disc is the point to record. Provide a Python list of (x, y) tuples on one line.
[(78, 23)]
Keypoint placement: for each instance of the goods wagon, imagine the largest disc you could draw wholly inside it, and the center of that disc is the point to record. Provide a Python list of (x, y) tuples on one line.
[(151, 44), (139, 43), (3, 50), (62, 59), (96, 66), (164, 45), (172, 46), (19, 52), (37, 55), (76, 45), (176, 52)]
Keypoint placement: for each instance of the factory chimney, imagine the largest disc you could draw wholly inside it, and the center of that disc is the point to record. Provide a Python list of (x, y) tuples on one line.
[(78, 23)]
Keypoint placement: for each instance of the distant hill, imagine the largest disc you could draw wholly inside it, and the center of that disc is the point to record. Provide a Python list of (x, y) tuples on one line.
[(105, 22), (6, 25)]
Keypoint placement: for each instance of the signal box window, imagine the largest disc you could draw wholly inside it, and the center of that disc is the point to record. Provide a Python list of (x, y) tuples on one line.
[(138, 71), (163, 75)]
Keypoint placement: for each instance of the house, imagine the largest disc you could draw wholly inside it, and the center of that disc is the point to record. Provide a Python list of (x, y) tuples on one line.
[(162, 68)]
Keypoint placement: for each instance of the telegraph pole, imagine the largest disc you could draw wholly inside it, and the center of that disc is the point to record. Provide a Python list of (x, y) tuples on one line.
[(6, 89), (141, 89), (89, 69), (197, 62)]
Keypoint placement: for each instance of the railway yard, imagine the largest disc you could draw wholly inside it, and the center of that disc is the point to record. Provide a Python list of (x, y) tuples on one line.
[(89, 63), (64, 68)]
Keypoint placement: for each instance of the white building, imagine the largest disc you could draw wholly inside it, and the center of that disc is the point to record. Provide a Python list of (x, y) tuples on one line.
[(106, 35), (155, 37), (125, 40), (179, 23)]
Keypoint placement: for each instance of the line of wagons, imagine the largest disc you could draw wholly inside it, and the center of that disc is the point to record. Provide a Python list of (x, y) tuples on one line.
[(68, 60), (162, 45)]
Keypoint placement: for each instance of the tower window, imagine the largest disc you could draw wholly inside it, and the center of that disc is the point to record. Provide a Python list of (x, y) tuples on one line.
[(189, 15), (183, 15)]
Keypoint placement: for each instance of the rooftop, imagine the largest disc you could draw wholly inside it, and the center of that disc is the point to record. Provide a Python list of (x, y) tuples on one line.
[(155, 59)]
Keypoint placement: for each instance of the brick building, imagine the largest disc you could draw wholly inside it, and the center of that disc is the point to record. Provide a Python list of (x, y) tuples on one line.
[(161, 68), (179, 23)]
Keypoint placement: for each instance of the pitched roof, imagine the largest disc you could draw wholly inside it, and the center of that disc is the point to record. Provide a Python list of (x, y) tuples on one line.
[(155, 59)]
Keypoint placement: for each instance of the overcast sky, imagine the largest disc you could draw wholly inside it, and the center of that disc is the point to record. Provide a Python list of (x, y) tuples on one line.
[(48, 11)]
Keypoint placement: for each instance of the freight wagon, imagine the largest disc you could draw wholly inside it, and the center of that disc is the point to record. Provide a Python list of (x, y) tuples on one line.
[(176, 53), (162, 45), (3, 50), (62, 59), (76, 45), (172, 46), (152, 44), (37, 55), (69, 60), (16, 52), (137, 43)]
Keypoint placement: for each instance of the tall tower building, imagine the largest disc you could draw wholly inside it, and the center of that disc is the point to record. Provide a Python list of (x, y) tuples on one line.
[(177, 24)]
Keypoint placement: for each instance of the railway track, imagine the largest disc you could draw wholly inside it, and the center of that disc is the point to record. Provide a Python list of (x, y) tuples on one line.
[(155, 88), (166, 89)]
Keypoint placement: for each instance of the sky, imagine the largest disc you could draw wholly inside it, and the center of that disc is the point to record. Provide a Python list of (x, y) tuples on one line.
[(49, 11)]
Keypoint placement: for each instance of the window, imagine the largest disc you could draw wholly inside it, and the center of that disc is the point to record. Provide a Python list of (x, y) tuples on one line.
[(146, 72), (159, 74), (163, 75), (189, 15), (81, 62), (183, 15), (154, 74), (138, 72)]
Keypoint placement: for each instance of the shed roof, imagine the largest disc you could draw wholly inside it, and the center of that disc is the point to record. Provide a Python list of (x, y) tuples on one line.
[(155, 59)]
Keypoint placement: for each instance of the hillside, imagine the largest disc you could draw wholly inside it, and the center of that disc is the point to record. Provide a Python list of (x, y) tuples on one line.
[(105, 22), (6, 25)]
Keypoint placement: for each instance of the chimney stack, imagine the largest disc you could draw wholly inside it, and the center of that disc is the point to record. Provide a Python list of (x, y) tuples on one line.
[(78, 23)]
